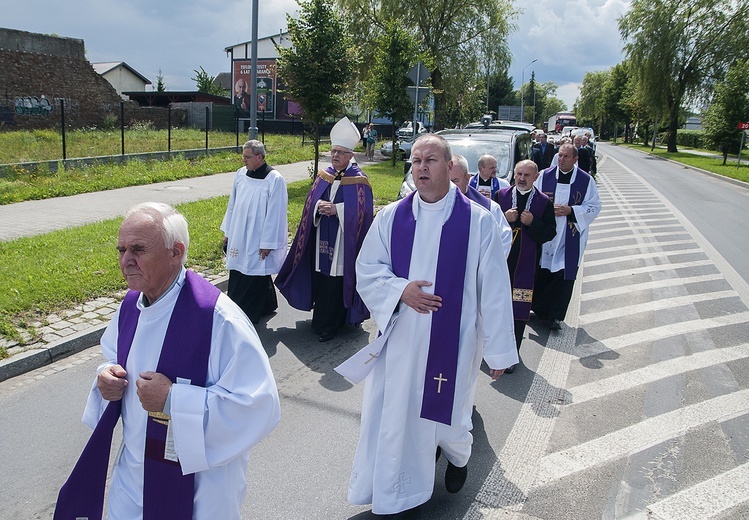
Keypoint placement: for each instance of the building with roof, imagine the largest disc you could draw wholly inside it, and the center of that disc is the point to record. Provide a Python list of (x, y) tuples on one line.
[(121, 76)]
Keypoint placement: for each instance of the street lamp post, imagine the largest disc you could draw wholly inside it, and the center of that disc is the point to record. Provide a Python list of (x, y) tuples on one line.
[(522, 82)]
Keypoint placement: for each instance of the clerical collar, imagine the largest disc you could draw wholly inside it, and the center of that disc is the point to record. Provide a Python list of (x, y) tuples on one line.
[(526, 192), (259, 173)]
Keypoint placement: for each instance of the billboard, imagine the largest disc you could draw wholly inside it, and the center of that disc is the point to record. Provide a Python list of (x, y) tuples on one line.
[(266, 80)]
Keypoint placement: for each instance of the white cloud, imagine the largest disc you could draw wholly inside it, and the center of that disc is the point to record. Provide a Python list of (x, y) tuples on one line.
[(569, 37)]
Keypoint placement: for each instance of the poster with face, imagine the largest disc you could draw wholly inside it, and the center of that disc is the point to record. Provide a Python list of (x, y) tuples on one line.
[(265, 80)]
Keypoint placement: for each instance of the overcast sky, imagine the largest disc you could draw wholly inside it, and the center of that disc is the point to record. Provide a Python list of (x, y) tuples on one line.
[(568, 37)]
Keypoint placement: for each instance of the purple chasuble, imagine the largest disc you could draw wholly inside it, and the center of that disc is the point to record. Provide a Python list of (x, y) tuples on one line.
[(578, 189), (294, 279), (444, 338), (524, 275), (185, 352)]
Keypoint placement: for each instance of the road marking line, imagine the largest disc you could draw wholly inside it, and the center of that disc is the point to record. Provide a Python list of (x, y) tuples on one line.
[(656, 372), (647, 269), (642, 256), (640, 436), (655, 306), (639, 244), (645, 286)]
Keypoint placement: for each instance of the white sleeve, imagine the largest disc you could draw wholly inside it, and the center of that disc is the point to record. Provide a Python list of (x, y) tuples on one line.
[(586, 212), (276, 229)]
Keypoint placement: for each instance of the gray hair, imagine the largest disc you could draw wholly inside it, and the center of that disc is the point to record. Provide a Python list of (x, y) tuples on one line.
[(461, 162), (256, 147), (172, 223)]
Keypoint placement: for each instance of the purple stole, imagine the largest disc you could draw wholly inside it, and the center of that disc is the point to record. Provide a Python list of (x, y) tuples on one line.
[(294, 279), (578, 189), (524, 276), (166, 492), (444, 338), (474, 183), (478, 198)]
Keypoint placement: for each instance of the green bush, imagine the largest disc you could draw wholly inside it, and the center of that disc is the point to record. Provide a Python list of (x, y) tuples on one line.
[(691, 138)]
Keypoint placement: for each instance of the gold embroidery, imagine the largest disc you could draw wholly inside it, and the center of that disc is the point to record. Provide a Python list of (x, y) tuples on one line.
[(522, 295), (160, 417)]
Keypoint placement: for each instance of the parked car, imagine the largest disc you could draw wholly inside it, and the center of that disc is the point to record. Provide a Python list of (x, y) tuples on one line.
[(507, 146), (403, 146), (407, 129)]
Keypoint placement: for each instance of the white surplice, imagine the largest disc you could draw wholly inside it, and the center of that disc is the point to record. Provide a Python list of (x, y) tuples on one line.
[(505, 231), (552, 252), (214, 427), (394, 464), (256, 218)]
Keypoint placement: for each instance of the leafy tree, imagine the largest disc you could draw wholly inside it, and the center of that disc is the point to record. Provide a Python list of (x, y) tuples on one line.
[(455, 38), (613, 95), (319, 66), (590, 105), (678, 50), (207, 83), (160, 87), (729, 107), (501, 90), (386, 89)]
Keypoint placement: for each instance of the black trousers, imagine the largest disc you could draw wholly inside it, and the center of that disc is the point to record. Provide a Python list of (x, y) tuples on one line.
[(551, 294), (255, 295), (329, 313)]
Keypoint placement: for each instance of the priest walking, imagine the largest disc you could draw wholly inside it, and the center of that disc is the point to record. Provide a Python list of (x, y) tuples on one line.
[(576, 205), (531, 215), (188, 375), (319, 271), (255, 233), (431, 270)]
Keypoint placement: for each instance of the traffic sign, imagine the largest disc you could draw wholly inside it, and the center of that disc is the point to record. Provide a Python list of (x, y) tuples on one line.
[(418, 74), (744, 126)]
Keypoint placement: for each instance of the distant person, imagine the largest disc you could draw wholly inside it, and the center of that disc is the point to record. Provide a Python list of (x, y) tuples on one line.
[(460, 176), (370, 138), (486, 181), (187, 373), (576, 204), (531, 215), (318, 273), (431, 265), (543, 152), (256, 233), (584, 161), (241, 96)]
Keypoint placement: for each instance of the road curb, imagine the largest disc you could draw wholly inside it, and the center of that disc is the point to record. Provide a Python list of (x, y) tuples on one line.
[(32, 359)]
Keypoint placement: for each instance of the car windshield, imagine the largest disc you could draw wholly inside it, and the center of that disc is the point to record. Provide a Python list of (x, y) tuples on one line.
[(473, 149)]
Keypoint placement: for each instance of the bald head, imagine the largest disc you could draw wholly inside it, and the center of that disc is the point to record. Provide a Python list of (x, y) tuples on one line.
[(459, 175)]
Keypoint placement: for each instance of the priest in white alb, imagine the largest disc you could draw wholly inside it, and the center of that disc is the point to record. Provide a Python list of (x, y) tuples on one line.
[(189, 378), (432, 271)]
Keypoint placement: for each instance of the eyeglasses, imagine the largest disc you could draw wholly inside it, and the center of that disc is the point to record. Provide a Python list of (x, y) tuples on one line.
[(338, 152), (248, 157)]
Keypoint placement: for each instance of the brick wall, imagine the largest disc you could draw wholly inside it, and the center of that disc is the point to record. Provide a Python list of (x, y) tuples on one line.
[(37, 71)]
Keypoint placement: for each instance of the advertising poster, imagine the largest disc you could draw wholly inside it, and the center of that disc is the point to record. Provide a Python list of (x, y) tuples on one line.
[(265, 79)]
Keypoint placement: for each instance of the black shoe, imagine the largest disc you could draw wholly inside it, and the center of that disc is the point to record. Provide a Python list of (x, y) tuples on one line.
[(326, 336), (455, 477), (409, 514), (555, 324), (511, 369)]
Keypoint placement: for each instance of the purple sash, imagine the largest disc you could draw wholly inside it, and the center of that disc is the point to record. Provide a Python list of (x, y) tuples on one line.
[(578, 189), (166, 492), (444, 338), (524, 275)]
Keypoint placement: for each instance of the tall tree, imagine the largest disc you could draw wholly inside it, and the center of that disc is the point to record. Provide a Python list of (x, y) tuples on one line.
[(590, 105), (319, 65), (729, 107), (678, 50), (207, 83), (160, 87), (456, 39), (387, 88), (613, 95)]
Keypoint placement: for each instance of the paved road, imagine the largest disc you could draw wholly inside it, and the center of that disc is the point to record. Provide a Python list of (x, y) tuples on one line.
[(638, 409)]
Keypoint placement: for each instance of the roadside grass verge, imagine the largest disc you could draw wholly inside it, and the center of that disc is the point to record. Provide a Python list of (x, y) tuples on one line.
[(46, 144), (24, 185), (710, 164), (58, 270)]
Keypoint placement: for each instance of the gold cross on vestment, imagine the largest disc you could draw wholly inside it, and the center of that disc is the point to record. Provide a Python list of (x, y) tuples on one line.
[(372, 357), (439, 380)]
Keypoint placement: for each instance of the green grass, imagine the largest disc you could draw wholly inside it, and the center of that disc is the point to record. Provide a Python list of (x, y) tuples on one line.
[(46, 145), (57, 270), (25, 185), (710, 164)]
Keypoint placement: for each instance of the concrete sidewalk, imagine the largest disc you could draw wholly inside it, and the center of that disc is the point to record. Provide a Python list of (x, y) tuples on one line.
[(36, 217), (76, 329)]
